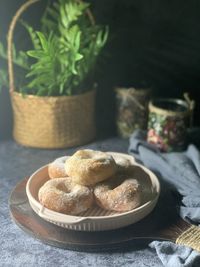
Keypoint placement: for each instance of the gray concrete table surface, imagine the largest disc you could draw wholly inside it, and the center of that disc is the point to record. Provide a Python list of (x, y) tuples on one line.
[(19, 249)]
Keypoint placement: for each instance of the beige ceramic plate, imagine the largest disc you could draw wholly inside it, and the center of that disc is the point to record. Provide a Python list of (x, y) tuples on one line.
[(97, 219)]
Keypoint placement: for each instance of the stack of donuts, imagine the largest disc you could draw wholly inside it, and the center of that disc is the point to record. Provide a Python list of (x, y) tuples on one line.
[(88, 178)]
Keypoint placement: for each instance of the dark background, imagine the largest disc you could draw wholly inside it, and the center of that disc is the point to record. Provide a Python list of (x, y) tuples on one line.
[(152, 43)]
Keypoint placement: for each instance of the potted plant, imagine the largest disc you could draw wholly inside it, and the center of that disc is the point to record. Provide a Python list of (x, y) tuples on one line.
[(56, 106)]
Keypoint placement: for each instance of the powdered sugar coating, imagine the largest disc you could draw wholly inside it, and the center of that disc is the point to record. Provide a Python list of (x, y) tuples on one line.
[(123, 163), (88, 167), (118, 194), (56, 169), (64, 196)]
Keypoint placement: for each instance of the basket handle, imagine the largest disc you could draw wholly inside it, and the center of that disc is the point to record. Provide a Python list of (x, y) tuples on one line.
[(13, 23)]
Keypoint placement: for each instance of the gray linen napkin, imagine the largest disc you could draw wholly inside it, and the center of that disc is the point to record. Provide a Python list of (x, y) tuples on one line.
[(180, 171)]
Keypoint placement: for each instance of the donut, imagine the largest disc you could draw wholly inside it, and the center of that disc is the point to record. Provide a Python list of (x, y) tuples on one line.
[(88, 167), (123, 164), (118, 194), (56, 169), (64, 196)]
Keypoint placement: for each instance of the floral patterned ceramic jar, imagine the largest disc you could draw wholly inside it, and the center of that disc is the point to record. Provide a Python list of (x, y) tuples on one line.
[(132, 110), (168, 123)]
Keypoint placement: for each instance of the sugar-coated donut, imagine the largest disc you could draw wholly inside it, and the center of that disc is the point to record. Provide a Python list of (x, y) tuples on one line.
[(118, 194), (56, 169), (124, 164), (64, 196), (88, 167)]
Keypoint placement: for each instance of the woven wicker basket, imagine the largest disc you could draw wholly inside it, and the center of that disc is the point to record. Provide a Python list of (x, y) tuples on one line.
[(50, 122)]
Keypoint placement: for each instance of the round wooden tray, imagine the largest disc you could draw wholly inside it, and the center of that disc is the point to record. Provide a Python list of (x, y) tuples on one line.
[(157, 225)]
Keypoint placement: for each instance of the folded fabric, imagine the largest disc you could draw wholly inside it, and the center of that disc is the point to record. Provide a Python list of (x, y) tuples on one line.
[(181, 172)]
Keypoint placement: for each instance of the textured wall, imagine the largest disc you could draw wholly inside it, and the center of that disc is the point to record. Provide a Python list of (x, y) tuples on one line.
[(153, 42)]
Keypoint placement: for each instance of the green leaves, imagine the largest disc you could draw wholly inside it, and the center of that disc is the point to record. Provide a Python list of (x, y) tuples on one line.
[(64, 54), (66, 50), (70, 46), (101, 39), (20, 59), (44, 71), (70, 12), (32, 34)]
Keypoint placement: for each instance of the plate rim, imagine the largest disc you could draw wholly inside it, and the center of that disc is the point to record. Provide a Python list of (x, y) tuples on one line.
[(77, 218)]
